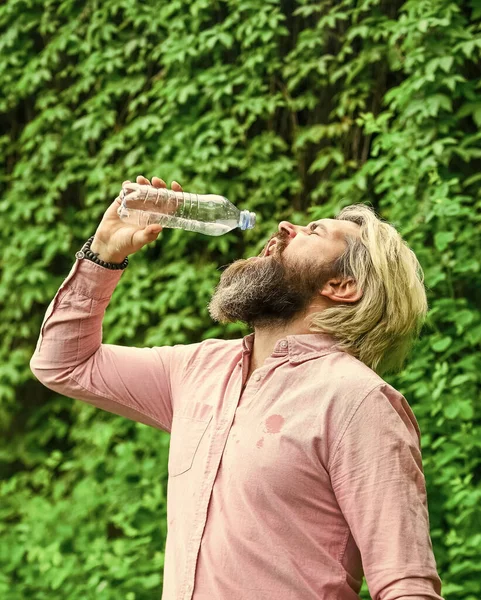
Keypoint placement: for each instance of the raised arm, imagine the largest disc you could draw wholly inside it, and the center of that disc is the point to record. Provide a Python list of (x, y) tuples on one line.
[(70, 357)]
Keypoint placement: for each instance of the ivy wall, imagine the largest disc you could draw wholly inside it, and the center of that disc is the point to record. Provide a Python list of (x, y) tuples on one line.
[(292, 109)]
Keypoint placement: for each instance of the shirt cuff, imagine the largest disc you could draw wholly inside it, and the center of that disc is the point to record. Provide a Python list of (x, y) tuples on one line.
[(91, 280)]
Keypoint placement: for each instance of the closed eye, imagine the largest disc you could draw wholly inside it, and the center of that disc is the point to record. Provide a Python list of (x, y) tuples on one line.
[(319, 226)]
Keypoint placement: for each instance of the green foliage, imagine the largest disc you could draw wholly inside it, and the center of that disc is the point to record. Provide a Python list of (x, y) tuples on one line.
[(290, 109)]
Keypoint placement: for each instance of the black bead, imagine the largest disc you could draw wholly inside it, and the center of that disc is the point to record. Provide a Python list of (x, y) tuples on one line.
[(94, 257)]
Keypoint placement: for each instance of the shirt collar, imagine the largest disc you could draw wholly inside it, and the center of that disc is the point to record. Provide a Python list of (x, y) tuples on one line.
[(298, 347)]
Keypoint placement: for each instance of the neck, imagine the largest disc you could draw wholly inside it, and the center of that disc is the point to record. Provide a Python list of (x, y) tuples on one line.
[(266, 338)]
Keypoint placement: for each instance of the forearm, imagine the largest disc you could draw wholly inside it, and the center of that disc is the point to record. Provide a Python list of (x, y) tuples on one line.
[(72, 327)]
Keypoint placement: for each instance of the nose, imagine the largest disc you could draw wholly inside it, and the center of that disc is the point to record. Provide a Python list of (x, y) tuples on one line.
[(289, 228)]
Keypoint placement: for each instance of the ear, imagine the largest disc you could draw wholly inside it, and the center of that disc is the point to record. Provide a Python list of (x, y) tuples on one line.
[(341, 290)]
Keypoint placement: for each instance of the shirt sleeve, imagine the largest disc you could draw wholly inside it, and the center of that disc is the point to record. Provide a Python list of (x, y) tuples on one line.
[(377, 476), (70, 358)]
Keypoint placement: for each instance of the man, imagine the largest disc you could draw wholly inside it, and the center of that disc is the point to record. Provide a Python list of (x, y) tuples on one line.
[(294, 468)]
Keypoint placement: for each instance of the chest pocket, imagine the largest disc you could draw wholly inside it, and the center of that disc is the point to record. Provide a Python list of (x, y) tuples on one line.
[(188, 430)]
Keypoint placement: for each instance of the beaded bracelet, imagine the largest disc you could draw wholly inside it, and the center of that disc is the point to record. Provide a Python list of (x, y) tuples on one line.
[(85, 252)]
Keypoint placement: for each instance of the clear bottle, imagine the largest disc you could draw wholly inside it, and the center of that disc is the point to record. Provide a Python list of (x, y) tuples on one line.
[(210, 214)]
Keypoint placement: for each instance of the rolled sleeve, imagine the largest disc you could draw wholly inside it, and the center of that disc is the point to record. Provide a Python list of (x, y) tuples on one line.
[(377, 476)]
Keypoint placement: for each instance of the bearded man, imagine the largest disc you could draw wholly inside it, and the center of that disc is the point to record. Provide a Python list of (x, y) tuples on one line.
[(294, 468)]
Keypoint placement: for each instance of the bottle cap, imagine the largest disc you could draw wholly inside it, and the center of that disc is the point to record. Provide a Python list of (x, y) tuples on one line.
[(247, 220)]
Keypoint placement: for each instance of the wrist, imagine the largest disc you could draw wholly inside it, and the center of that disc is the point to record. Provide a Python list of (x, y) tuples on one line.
[(87, 253), (104, 254)]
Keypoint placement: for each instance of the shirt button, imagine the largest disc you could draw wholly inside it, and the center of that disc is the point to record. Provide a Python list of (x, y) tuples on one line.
[(283, 344), (256, 377)]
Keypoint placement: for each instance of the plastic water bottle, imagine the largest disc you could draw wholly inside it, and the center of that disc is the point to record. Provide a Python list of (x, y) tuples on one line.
[(210, 214)]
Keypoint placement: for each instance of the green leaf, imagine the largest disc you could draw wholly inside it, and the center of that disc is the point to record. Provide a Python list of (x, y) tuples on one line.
[(442, 239), (477, 116), (466, 410), (442, 344), (446, 63), (452, 410)]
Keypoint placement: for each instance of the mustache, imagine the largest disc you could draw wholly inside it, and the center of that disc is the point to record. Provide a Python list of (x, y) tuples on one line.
[(281, 238)]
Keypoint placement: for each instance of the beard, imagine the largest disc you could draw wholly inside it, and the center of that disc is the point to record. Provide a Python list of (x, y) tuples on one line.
[(267, 292)]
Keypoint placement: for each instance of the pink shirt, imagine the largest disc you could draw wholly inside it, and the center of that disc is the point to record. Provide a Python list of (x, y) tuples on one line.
[(288, 490)]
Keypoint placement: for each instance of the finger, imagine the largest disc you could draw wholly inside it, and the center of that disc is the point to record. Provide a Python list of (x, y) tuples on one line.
[(158, 183), (148, 234), (153, 229), (142, 180), (176, 186), (113, 208)]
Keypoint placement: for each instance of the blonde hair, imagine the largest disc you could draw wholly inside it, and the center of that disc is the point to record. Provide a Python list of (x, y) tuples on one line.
[(380, 328)]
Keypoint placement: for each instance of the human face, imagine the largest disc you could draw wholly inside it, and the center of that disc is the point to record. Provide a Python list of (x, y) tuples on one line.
[(274, 288), (321, 241)]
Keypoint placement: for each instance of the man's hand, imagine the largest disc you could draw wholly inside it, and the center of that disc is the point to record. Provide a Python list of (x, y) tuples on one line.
[(115, 239)]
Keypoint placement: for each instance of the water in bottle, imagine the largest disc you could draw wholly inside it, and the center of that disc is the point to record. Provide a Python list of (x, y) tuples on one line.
[(210, 214)]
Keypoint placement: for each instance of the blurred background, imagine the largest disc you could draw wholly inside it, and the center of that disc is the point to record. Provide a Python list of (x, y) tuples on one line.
[(292, 109)]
